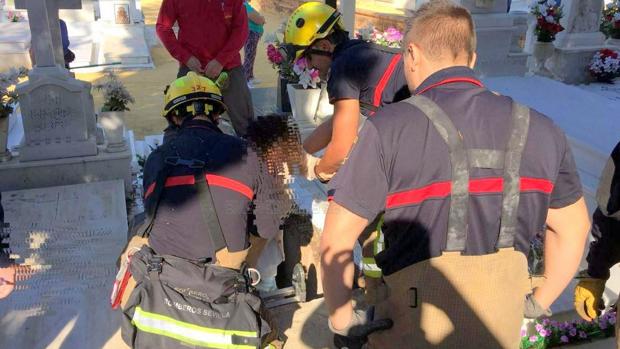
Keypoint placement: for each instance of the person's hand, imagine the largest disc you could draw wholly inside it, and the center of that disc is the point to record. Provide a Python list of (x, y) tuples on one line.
[(356, 333), (194, 65), (532, 309), (7, 281), (309, 163), (589, 298), (213, 69)]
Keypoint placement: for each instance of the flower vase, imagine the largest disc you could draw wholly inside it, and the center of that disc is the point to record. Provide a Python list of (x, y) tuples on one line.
[(309, 106), (5, 155), (113, 123), (542, 52), (282, 99)]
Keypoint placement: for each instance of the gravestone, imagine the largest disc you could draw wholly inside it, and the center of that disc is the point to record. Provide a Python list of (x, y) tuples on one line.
[(66, 240), (500, 38), (581, 38), (58, 110), (58, 116)]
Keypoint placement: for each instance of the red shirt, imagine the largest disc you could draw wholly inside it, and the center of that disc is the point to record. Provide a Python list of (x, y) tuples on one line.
[(208, 29)]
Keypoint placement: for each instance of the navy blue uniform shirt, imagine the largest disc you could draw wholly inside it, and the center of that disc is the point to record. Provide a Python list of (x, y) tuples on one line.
[(605, 249), (245, 195), (401, 165), (356, 70)]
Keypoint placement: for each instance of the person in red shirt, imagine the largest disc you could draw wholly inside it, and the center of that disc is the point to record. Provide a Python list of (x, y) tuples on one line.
[(210, 36)]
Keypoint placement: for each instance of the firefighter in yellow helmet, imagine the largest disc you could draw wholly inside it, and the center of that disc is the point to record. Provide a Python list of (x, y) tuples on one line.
[(200, 187)]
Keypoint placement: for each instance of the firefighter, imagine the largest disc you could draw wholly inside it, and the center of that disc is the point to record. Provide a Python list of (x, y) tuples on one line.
[(466, 178), (362, 77), (205, 194), (605, 249)]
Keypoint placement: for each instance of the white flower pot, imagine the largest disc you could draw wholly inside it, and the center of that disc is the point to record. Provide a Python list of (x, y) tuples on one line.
[(113, 124), (310, 107), (5, 155), (542, 52)]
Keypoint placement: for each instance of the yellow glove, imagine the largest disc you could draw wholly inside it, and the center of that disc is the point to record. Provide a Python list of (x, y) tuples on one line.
[(589, 298)]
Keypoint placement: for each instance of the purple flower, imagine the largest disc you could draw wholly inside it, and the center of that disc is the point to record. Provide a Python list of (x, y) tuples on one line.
[(602, 324), (523, 332), (583, 335), (572, 332), (564, 339), (533, 339), (612, 319), (546, 322)]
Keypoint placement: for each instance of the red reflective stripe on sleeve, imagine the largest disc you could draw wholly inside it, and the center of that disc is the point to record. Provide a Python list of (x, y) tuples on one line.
[(330, 198), (149, 191), (435, 190), (231, 184), (536, 184), (493, 185), (385, 78), (180, 180)]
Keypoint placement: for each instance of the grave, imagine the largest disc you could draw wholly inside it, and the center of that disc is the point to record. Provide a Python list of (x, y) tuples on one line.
[(58, 117), (581, 38), (67, 240)]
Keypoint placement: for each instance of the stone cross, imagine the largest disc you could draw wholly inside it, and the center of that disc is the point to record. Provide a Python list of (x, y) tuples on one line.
[(45, 28)]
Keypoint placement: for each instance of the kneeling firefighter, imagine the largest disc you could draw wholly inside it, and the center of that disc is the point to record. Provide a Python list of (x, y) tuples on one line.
[(205, 193)]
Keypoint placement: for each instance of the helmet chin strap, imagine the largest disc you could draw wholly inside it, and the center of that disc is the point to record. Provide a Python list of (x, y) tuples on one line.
[(316, 51)]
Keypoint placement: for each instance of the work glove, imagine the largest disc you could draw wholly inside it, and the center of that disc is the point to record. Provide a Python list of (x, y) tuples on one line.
[(360, 327), (532, 309), (309, 162), (589, 297)]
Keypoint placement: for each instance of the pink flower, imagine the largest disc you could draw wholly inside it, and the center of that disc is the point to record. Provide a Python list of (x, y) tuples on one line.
[(539, 327), (314, 74), (544, 333), (533, 339), (564, 339), (302, 63), (523, 332), (393, 34)]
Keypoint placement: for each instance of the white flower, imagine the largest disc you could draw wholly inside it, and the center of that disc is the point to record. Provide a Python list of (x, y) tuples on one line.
[(617, 17), (551, 3), (550, 19), (271, 38), (366, 32), (610, 5)]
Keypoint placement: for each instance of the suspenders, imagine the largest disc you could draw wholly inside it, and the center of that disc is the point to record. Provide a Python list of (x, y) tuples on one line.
[(462, 159)]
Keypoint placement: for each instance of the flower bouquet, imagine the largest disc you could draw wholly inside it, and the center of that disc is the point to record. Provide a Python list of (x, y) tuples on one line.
[(8, 95), (115, 95), (14, 16), (548, 15), (605, 65), (308, 77), (610, 25), (391, 37), (553, 333), (284, 67)]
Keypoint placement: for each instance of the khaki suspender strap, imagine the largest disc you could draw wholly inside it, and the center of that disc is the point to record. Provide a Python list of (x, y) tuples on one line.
[(512, 179), (459, 197), (486, 158), (210, 215)]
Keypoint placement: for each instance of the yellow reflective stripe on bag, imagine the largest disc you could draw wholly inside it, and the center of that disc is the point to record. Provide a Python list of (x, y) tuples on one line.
[(370, 268), (189, 333)]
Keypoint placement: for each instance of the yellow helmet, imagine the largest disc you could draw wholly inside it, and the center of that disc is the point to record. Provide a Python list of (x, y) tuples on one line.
[(182, 92), (309, 22)]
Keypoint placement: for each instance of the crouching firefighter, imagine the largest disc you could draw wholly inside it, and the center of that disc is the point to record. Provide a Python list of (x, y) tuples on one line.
[(204, 194), (466, 178)]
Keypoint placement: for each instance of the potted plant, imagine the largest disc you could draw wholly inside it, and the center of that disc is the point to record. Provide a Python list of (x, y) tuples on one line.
[(548, 334), (309, 102), (112, 116), (282, 66), (548, 15), (605, 66), (610, 24), (8, 101)]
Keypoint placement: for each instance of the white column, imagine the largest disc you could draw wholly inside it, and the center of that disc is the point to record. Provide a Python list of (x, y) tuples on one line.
[(347, 8)]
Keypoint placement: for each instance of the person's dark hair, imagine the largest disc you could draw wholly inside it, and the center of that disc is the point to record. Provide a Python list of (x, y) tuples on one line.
[(338, 36), (276, 139)]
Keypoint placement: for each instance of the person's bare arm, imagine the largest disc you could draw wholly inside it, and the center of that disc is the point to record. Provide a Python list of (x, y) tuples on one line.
[(344, 131), (256, 18), (320, 137), (342, 228), (567, 230)]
